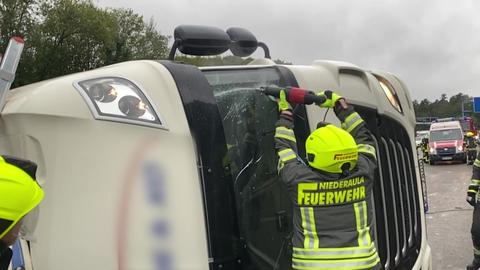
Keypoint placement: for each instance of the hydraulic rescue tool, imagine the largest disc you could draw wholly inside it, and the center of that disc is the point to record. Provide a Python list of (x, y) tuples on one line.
[(294, 94)]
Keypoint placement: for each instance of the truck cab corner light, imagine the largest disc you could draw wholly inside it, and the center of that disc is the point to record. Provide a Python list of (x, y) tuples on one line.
[(119, 100)]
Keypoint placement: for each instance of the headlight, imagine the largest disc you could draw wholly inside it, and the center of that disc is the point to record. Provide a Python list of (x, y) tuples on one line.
[(433, 151), (460, 148), (118, 99)]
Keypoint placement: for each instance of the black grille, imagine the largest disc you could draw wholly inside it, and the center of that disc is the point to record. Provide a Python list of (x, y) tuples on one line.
[(396, 196), (446, 151)]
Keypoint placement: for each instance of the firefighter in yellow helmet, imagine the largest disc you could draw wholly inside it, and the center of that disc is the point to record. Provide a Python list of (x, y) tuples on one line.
[(19, 194), (473, 199), (332, 215), (471, 147)]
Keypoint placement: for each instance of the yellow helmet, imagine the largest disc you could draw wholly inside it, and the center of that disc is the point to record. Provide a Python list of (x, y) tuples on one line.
[(469, 134), (19, 192), (330, 149)]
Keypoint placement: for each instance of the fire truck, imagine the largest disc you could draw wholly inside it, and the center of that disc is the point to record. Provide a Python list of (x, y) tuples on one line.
[(468, 125), (466, 122), (157, 164)]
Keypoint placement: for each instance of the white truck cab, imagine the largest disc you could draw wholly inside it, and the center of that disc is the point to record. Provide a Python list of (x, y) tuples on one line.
[(163, 165)]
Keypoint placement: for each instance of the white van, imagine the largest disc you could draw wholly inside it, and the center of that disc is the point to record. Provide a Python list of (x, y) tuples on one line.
[(446, 142), (421, 134), (163, 165)]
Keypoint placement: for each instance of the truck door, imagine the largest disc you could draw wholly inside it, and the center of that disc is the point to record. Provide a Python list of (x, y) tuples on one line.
[(262, 205)]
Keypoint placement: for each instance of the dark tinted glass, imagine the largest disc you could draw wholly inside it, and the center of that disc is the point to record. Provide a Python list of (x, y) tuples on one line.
[(263, 206)]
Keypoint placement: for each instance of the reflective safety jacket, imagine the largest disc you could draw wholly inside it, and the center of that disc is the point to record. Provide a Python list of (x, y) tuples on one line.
[(470, 142), (332, 215), (475, 181)]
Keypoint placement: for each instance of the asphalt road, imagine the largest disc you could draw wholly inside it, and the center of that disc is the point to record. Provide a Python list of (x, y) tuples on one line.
[(449, 217)]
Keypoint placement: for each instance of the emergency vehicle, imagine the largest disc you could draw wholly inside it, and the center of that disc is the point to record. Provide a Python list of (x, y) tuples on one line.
[(163, 165), (446, 142)]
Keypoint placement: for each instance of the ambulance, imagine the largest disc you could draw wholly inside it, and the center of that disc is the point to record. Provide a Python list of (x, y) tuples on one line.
[(446, 142), (163, 165)]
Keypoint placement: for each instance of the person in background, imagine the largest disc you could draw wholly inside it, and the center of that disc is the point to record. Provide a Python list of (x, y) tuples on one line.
[(19, 194), (425, 149), (471, 147), (332, 215), (472, 199)]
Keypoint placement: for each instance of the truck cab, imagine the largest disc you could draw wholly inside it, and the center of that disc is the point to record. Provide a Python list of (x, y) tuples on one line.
[(163, 165), (446, 142)]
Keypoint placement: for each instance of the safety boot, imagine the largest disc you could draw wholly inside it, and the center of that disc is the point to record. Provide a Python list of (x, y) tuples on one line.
[(475, 265)]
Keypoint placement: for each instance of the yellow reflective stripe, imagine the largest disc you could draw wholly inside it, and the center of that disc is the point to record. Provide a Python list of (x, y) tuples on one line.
[(285, 133), (368, 149), (352, 121), (306, 241), (476, 251), (354, 125), (358, 222), (361, 220), (309, 229), (472, 190), (476, 163), (351, 264), (368, 240), (313, 227), (280, 165), (286, 154), (474, 182), (352, 118), (334, 253)]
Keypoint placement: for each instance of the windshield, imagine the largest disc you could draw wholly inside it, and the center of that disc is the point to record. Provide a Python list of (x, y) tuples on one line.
[(263, 206), (446, 135)]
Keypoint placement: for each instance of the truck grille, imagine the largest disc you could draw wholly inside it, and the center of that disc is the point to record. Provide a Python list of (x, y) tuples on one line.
[(397, 195)]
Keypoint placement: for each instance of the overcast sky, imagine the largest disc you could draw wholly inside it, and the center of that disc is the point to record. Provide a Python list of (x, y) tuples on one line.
[(433, 45)]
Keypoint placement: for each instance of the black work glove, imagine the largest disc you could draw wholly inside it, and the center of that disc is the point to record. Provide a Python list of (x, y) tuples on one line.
[(472, 195)]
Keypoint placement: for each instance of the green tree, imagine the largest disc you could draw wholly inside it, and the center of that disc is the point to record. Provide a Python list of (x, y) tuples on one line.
[(74, 36), (217, 60), (19, 18), (135, 39), (16, 19), (67, 36), (282, 62), (446, 107)]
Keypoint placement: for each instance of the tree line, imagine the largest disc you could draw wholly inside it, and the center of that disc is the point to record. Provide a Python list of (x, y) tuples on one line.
[(446, 107)]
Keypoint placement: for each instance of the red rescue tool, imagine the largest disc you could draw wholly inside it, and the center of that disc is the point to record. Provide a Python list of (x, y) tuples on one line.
[(294, 94)]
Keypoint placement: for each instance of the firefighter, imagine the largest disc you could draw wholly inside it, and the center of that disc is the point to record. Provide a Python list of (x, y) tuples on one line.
[(19, 194), (471, 147), (472, 199), (332, 216), (424, 147)]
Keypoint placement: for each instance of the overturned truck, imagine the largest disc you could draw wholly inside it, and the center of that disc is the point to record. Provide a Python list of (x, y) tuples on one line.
[(164, 165)]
